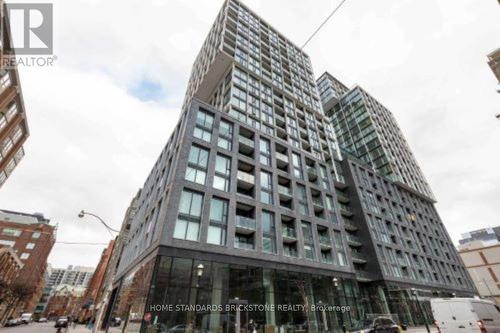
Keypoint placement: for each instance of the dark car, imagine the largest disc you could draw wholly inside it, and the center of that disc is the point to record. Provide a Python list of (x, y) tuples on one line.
[(61, 322), (378, 325)]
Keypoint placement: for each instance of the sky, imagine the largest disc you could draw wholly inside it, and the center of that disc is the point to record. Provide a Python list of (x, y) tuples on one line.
[(100, 116)]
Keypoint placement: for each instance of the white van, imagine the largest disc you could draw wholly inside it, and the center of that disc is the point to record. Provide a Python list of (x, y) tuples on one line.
[(464, 315), (26, 318)]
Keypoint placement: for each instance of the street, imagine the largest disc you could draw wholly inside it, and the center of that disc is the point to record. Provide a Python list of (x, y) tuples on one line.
[(49, 328), (41, 328)]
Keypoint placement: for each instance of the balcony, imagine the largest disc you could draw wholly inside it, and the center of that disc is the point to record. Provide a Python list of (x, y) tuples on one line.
[(350, 225), (244, 246), (245, 225), (245, 180), (341, 197), (312, 173), (358, 258), (345, 211), (284, 191), (288, 252), (354, 241), (325, 242), (289, 235), (317, 203), (282, 160), (279, 120), (246, 145), (363, 276)]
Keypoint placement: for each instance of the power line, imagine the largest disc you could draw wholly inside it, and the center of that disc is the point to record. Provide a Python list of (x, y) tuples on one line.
[(81, 243), (324, 22)]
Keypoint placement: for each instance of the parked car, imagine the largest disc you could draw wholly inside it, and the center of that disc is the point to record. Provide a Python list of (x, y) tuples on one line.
[(116, 321), (42, 320), (379, 325), (61, 322), (465, 315), (26, 318), (12, 322)]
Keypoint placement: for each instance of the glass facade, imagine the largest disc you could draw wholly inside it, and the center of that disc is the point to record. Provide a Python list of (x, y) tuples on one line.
[(275, 300)]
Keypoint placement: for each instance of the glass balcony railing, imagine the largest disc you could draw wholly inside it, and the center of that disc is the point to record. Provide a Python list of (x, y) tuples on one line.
[(317, 201), (354, 239), (244, 246), (284, 190), (289, 233), (245, 222), (325, 240), (282, 157), (245, 177)]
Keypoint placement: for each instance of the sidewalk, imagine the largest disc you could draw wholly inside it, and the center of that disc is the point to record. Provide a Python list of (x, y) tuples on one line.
[(421, 329)]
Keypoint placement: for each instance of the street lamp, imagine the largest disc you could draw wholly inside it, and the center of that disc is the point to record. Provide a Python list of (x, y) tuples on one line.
[(414, 293), (199, 272), (83, 213)]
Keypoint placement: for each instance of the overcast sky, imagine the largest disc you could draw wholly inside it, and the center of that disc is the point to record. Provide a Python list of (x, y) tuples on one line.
[(100, 117)]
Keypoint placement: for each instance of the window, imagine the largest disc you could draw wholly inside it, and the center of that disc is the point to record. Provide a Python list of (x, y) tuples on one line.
[(222, 173), (7, 243), (218, 222), (268, 232), (297, 166), (188, 222), (4, 80), (30, 246), (196, 171), (266, 188), (11, 232), (225, 135), (35, 235), (24, 256), (203, 127), (265, 151), (302, 197)]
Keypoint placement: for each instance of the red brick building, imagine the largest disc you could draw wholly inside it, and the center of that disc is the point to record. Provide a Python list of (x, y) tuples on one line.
[(13, 125), (31, 237), (10, 266), (96, 286)]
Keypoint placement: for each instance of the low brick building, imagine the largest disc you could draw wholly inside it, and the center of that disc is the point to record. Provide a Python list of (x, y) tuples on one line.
[(31, 237), (95, 288), (10, 266)]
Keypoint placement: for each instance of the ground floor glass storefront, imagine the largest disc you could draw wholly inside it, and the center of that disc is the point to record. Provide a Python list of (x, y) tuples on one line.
[(181, 299)]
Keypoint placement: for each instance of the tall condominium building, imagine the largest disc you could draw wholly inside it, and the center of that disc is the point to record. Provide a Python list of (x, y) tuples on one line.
[(368, 130), (405, 241), (494, 63), (32, 237), (77, 276), (13, 124), (249, 203)]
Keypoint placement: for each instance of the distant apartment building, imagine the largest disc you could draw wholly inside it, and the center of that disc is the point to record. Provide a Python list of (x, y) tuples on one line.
[(13, 124), (77, 276), (32, 238), (480, 252), (494, 63)]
